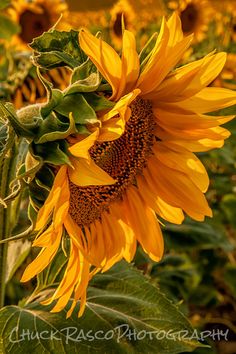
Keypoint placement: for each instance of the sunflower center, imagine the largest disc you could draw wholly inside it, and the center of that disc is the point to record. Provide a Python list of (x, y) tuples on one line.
[(189, 18), (33, 24), (123, 159), (117, 26)]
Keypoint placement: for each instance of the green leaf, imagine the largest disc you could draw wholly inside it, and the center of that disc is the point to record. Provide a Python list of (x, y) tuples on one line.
[(4, 130), (21, 127), (7, 136), (16, 254), (55, 99), (177, 276), (83, 71), (122, 304), (228, 205), (192, 235), (230, 277), (53, 273), (8, 28), (98, 102), (53, 152), (89, 84), (55, 48), (52, 129), (82, 112)]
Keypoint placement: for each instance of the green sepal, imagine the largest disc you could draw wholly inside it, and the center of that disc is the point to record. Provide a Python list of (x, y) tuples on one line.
[(98, 102), (7, 136), (53, 152), (83, 71), (52, 129), (58, 48), (45, 177), (47, 84), (32, 212), (90, 84), (56, 96), (82, 112), (37, 192), (40, 187), (23, 129)]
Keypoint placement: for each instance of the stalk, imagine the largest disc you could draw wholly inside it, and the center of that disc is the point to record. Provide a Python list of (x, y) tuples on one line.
[(4, 214), (7, 171)]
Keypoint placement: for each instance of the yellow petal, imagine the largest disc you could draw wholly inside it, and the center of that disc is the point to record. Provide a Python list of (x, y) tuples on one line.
[(207, 100), (177, 189), (152, 68), (87, 173), (187, 80), (81, 149), (75, 233), (68, 281), (200, 145), (188, 121), (144, 222), (114, 240), (164, 56), (182, 160), (165, 210), (121, 106), (117, 210), (52, 198), (45, 256), (104, 57), (175, 29), (130, 64), (112, 129)]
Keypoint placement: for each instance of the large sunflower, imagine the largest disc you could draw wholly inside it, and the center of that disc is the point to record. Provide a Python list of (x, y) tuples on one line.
[(137, 163), (195, 16), (34, 18)]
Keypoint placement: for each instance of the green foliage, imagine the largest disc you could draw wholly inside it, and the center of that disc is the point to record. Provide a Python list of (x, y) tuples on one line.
[(55, 48), (122, 303), (4, 4)]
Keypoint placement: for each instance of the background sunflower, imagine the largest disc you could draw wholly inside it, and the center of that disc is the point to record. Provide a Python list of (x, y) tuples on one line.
[(34, 18)]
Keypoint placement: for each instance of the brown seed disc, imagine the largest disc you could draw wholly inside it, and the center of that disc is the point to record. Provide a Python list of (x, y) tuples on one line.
[(123, 159)]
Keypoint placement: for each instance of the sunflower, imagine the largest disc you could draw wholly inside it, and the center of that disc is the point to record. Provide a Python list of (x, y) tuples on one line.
[(34, 18), (94, 20), (225, 18), (195, 16), (121, 9), (89, 5), (147, 10), (138, 163)]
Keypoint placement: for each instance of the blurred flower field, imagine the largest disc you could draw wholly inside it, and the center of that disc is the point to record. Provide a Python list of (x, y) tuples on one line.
[(118, 176)]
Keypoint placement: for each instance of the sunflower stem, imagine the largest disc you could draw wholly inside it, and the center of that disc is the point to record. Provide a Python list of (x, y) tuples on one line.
[(7, 170), (3, 227)]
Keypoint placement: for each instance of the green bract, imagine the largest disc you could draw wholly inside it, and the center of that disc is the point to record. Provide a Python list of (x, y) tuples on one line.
[(47, 125)]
